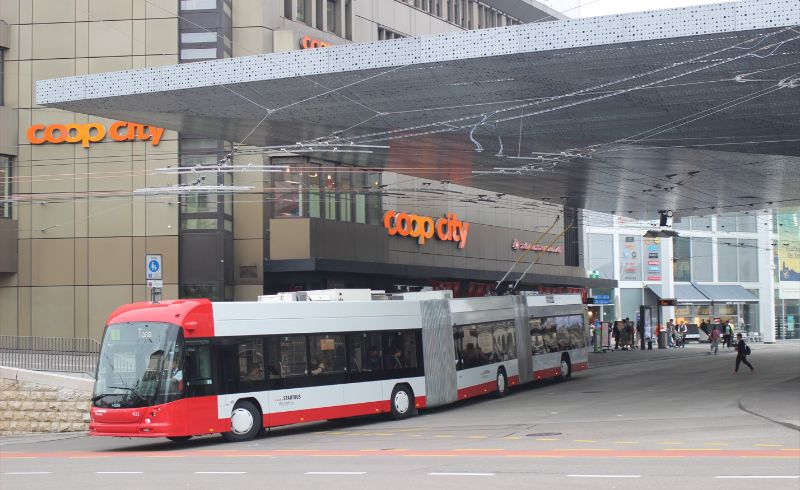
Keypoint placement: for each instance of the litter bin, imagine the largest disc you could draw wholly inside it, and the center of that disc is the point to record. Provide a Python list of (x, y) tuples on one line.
[(662, 340), (649, 344)]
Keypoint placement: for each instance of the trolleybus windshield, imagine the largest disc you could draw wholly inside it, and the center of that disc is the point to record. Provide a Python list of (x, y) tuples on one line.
[(141, 364)]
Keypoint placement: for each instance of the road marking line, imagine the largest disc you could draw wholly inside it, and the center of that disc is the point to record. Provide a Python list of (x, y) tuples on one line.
[(28, 473), (220, 472), (118, 472), (335, 473), (694, 449), (429, 455), (382, 434), (461, 474), (604, 476), (769, 445), (511, 438), (791, 449), (766, 477), (583, 449), (335, 455)]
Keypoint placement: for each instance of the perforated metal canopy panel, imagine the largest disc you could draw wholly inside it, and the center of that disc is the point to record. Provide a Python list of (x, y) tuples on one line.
[(692, 109)]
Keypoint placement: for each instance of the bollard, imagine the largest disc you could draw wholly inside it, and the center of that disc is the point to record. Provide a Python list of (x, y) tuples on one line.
[(662, 340)]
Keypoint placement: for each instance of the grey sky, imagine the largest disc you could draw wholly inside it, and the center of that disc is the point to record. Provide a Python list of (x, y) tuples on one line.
[(592, 8)]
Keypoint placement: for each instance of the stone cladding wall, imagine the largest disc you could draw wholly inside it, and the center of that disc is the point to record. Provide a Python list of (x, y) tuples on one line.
[(38, 402)]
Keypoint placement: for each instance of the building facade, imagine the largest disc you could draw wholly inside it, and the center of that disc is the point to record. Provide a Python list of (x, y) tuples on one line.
[(723, 267), (74, 228)]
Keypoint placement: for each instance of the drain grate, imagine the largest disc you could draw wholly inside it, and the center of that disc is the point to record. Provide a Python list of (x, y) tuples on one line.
[(544, 434)]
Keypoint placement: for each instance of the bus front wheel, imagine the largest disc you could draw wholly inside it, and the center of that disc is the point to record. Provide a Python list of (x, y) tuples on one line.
[(245, 422), (402, 402)]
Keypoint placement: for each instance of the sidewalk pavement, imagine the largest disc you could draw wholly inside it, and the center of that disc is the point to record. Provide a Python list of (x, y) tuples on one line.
[(779, 403), (619, 357)]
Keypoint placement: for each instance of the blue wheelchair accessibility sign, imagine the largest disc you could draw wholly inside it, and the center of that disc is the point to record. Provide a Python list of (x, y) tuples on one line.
[(153, 267)]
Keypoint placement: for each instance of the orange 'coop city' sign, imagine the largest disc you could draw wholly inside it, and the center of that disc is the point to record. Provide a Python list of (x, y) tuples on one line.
[(423, 228), (86, 134)]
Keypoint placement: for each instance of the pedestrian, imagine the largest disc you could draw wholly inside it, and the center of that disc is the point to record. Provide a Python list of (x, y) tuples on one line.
[(727, 335), (683, 330), (629, 334), (714, 339), (616, 335), (742, 350), (670, 332)]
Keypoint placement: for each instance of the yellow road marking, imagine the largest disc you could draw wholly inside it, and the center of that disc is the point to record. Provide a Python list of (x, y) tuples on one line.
[(791, 449), (511, 438), (694, 449), (335, 455), (769, 445), (583, 449), (429, 455), (383, 434)]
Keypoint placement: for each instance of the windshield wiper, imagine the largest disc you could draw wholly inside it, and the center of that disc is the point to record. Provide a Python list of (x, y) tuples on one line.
[(132, 391), (103, 395)]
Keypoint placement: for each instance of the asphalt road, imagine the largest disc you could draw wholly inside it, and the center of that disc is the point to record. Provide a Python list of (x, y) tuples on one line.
[(660, 419)]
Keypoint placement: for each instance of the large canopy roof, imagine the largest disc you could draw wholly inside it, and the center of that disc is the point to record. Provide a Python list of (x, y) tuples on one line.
[(692, 109)]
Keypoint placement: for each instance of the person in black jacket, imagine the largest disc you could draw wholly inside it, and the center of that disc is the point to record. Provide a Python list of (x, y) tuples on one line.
[(741, 354)]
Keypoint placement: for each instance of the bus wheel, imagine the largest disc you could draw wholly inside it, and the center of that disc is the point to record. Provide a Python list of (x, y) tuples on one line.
[(179, 438), (402, 402), (502, 383), (565, 371), (245, 422)]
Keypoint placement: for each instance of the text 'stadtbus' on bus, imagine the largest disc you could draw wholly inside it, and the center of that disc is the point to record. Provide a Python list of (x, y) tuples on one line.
[(182, 368)]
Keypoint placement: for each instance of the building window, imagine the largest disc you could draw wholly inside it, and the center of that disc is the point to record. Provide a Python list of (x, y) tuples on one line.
[(348, 20), (702, 270), (748, 260), (2, 74), (198, 4), (727, 261), (301, 11), (385, 34), (5, 187), (331, 11), (681, 260)]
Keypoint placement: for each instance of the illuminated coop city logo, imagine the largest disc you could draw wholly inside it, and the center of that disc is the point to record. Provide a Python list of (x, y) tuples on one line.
[(86, 134), (424, 228)]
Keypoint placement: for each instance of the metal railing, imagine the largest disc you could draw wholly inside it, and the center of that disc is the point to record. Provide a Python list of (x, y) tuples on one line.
[(55, 354)]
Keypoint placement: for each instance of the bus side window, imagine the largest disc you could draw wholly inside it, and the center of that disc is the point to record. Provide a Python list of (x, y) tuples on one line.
[(197, 370)]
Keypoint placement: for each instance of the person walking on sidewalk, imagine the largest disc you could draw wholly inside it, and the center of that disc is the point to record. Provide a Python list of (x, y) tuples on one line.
[(727, 334), (714, 339), (741, 354)]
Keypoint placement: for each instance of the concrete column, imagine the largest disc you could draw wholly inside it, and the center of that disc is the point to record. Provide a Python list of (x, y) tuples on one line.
[(340, 16), (766, 278), (667, 279)]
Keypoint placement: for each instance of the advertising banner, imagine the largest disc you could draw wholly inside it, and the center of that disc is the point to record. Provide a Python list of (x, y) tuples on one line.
[(631, 260), (788, 250), (653, 250)]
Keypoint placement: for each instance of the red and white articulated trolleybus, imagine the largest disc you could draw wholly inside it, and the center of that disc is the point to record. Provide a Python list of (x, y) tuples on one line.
[(182, 368)]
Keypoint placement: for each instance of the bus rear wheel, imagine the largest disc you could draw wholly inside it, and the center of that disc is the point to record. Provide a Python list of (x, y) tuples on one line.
[(502, 383), (402, 402), (245, 422), (565, 369)]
